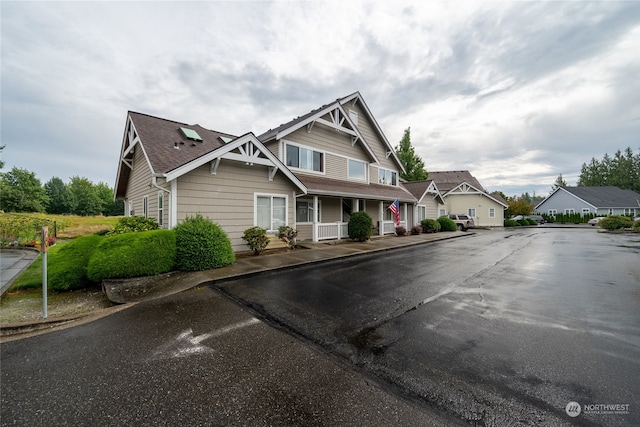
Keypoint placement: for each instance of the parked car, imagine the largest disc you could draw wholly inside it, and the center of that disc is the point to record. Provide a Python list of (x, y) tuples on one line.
[(594, 221), (463, 222), (537, 218)]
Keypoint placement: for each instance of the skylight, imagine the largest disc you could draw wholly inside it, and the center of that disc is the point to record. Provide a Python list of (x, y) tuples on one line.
[(191, 134), (226, 139)]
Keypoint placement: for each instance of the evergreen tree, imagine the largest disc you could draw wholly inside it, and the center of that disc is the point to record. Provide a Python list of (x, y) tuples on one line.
[(85, 200), (622, 171), (59, 200), (560, 182), (412, 163)]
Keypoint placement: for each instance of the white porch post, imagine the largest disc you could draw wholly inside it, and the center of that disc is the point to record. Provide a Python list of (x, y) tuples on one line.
[(315, 218), (355, 205), (381, 218), (406, 218)]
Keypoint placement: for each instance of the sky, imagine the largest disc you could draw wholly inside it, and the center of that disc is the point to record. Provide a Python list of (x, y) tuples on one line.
[(515, 92)]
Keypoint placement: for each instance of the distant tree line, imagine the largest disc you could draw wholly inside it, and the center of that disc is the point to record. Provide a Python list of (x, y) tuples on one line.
[(22, 191), (622, 171)]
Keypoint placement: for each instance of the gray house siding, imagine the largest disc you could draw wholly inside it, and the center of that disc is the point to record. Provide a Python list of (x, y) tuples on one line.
[(138, 185), (228, 197)]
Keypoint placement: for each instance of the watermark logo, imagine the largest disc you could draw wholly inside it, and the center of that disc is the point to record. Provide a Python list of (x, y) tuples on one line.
[(573, 409)]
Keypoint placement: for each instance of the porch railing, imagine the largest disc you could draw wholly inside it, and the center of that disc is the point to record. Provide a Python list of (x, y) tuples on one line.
[(331, 230), (389, 227)]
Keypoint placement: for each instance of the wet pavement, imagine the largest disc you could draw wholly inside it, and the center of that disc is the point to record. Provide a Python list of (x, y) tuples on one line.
[(12, 263)]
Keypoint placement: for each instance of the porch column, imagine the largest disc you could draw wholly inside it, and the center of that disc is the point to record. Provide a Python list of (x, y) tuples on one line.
[(315, 218), (355, 205), (173, 204), (381, 218), (406, 218)]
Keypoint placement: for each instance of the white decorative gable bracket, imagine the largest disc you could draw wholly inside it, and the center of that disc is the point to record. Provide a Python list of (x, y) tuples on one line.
[(272, 172), (337, 122), (249, 154)]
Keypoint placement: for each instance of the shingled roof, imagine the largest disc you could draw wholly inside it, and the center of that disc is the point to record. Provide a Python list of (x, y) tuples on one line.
[(334, 187), (160, 137), (448, 180), (606, 197)]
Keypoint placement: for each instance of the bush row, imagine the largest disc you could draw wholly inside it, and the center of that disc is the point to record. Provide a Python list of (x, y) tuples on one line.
[(523, 221)]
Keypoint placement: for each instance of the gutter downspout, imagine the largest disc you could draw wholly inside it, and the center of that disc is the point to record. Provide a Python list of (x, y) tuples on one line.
[(154, 183)]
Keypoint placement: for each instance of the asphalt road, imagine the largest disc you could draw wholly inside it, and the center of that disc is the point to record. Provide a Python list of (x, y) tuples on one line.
[(500, 328), (503, 328)]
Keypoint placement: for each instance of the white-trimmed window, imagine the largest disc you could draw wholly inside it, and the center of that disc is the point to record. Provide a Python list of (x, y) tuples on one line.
[(492, 212), (357, 169), (145, 206), (629, 211), (353, 115), (304, 158), (586, 211), (160, 208), (569, 211), (304, 211), (553, 212), (271, 211), (472, 212), (387, 177), (610, 211), (442, 212), (422, 212)]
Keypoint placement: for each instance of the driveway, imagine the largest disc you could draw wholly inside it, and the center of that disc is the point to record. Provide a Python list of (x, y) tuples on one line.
[(506, 328)]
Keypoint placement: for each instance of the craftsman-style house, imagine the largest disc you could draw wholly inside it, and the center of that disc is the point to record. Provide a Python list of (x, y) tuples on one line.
[(310, 173)]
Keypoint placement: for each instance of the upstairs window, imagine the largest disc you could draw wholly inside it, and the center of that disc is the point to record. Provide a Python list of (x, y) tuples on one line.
[(387, 177), (304, 158), (357, 170)]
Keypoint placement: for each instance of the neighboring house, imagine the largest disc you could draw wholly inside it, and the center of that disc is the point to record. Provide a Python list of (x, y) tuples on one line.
[(590, 200), (463, 194), (310, 173), (428, 198)]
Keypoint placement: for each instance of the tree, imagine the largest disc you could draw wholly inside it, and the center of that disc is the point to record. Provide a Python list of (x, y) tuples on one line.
[(1, 162), (518, 206), (21, 191), (85, 200), (412, 163), (560, 182), (59, 200), (622, 171)]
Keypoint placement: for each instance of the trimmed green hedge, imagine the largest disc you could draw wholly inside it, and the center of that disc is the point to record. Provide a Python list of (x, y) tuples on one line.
[(67, 266), (430, 225), (616, 222), (360, 226), (447, 224), (201, 244), (511, 223), (146, 253)]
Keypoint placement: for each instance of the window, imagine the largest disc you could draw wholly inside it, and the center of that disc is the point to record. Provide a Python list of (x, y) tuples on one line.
[(492, 212), (145, 206), (160, 208), (553, 212), (585, 211), (305, 158), (304, 211), (610, 211), (628, 211), (442, 212), (357, 170), (422, 213), (472, 212), (387, 177), (271, 211), (353, 115), (569, 211)]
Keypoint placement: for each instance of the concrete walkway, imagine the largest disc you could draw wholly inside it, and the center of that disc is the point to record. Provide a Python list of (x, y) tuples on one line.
[(12, 263)]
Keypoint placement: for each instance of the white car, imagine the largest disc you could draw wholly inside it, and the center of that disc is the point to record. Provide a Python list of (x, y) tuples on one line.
[(595, 221)]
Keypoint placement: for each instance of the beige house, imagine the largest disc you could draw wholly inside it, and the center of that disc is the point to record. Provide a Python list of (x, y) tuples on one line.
[(428, 199), (463, 194), (310, 173)]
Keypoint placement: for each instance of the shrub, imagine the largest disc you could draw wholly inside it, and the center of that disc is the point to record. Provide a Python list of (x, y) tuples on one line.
[(360, 226), (523, 221), (133, 224), (146, 253), (532, 221), (415, 230), (288, 236), (430, 225), (256, 239), (201, 244), (616, 222), (510, 223), (447, 224), (636, 225), (401, 231), (67, 266)]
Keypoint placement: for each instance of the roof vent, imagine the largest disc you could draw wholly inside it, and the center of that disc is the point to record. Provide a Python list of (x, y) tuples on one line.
[(191, 134), (175, 146)]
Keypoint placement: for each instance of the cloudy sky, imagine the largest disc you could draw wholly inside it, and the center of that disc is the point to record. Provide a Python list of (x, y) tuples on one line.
[(515, 92)]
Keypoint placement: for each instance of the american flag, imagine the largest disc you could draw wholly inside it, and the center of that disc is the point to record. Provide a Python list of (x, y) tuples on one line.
[(395, 209)]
